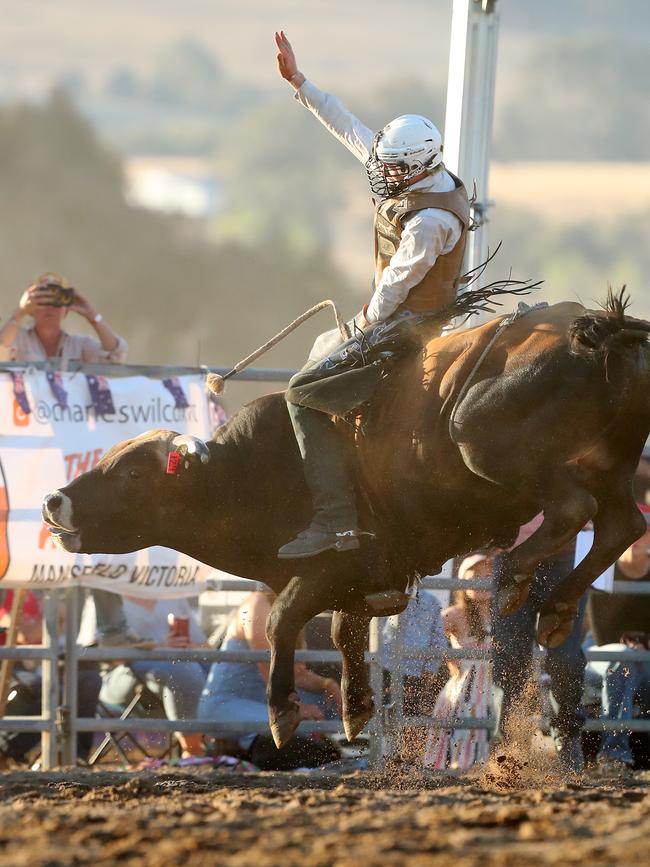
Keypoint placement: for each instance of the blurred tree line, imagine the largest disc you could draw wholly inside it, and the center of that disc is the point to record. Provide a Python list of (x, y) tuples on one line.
[(290, 190), (176, 299)]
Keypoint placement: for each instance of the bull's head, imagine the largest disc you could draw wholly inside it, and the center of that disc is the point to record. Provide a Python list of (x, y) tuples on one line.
[(132, 499)]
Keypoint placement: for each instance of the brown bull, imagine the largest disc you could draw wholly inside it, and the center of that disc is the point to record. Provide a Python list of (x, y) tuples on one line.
[(549, 413)]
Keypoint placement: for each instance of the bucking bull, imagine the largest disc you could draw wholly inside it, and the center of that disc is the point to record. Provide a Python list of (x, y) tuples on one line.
[(466, 442)]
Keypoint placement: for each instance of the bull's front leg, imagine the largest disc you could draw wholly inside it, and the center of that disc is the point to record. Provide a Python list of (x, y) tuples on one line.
[(350, 636), (616, 526), (294, 606)]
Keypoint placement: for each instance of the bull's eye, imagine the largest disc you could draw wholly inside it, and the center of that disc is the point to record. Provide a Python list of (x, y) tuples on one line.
[(134, 474)]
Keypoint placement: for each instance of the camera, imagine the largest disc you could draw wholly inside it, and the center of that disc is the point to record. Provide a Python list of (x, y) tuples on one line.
[(63, 295)]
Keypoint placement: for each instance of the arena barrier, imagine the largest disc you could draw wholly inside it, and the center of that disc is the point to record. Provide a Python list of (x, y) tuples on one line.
[(59, 722)]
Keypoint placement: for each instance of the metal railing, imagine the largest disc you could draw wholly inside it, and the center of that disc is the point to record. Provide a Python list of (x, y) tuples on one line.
[(59, 722)]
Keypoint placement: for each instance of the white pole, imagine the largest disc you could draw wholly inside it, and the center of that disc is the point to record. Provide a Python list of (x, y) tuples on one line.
[(470, 104)]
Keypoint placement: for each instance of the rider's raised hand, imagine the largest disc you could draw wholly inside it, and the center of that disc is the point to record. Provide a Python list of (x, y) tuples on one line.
[(287, 66)]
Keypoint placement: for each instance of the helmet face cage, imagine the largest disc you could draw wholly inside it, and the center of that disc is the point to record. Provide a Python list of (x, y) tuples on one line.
[(382, 184)]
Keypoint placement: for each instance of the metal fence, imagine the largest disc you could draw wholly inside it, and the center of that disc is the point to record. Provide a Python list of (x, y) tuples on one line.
[(59, 722)]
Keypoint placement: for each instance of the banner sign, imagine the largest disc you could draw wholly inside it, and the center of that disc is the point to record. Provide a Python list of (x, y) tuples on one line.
[(53, 428)]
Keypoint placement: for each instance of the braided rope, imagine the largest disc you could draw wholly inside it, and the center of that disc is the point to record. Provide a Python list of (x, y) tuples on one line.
[(216, 383)]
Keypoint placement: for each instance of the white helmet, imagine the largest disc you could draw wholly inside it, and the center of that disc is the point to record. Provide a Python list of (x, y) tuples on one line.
[(409, 145)]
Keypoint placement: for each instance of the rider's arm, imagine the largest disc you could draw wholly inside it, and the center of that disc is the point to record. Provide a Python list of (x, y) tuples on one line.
[(425, 236), (335, 117)]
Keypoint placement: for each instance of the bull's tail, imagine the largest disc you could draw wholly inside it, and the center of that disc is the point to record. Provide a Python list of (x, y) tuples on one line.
[(598, 333)]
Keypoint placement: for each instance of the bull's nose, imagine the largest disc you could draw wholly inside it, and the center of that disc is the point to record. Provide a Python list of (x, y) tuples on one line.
[(52, 502)]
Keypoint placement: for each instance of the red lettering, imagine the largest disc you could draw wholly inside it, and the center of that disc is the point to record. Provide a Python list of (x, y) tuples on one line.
[(70, 461), (84, 464), (77, 463)]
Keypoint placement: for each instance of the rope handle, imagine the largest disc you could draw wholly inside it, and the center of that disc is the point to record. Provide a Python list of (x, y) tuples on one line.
[(216, 383)]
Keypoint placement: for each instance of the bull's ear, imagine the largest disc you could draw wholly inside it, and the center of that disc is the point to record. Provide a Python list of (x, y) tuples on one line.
[(190, 448)]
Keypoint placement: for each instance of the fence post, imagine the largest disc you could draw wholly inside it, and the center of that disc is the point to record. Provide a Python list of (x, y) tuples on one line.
[(50, 676), (396, 710), (376, 746), (69, 709)]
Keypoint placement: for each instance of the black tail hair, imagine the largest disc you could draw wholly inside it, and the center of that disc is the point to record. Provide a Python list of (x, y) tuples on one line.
[(597, 333)]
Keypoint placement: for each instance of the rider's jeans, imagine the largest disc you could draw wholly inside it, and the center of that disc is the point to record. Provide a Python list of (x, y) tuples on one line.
[(324, 460)]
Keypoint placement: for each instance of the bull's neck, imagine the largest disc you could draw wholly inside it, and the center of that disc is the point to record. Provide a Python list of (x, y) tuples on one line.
[(247, 500)]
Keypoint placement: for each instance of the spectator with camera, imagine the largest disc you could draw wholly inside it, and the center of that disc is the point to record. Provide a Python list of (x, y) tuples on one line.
[(48, 302), (621, 621)]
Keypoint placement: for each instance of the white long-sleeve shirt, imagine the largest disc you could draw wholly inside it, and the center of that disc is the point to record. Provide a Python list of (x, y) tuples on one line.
[(72, 347), (426, 234)]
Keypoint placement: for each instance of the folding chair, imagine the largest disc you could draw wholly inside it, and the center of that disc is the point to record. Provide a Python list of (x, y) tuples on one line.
[(141, 705)]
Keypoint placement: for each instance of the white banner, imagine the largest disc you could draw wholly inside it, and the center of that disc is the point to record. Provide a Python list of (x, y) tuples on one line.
[(53, 427)]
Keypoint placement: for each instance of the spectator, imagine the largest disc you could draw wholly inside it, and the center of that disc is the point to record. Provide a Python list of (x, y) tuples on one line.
[(641, 485), (514, 641), (178, 684), (621, 621), (467, 692), (26, 687), (47, 339), (236, 692), (421, 629)]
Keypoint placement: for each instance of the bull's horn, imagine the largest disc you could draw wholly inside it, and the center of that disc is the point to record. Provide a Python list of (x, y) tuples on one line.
[(190, 446)]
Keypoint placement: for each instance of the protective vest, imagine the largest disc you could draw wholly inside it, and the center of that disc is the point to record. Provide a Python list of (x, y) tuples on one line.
[(440, 283)]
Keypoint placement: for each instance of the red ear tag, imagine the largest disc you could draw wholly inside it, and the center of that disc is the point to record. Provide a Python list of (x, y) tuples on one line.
[(173, 460)]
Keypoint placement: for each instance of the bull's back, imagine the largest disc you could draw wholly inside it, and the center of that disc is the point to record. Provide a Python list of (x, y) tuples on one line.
[(531, 394)]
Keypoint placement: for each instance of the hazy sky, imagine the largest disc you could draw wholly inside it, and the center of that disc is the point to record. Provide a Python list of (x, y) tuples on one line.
[(340, 42)]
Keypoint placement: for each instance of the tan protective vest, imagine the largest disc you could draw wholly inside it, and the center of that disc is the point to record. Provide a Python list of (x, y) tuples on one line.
[(440, 284)]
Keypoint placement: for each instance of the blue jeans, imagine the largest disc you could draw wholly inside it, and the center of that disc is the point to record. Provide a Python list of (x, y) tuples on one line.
[(623, 683), (218, 708), (514, 640)]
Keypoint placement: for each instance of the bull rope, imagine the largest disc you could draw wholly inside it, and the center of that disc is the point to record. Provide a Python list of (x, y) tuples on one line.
[(216, 383), (521, 310)]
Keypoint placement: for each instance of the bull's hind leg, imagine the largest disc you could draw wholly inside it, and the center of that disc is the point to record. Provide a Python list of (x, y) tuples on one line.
[(294, 606), (567, 507), (350, 636), (616, 526)]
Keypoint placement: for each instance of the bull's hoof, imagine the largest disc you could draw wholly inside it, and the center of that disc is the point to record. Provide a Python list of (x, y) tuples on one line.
[(354, 723), (386, 603), (512, 595), (284, 724), (555, 625)]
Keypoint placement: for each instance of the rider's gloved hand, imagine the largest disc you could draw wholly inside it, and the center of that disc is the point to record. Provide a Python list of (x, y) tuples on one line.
[(360, 320)]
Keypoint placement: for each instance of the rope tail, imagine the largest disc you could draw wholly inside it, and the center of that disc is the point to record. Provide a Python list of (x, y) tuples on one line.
[(216, 383)]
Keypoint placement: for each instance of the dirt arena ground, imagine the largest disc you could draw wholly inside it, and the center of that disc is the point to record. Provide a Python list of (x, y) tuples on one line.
[(203, 817)]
